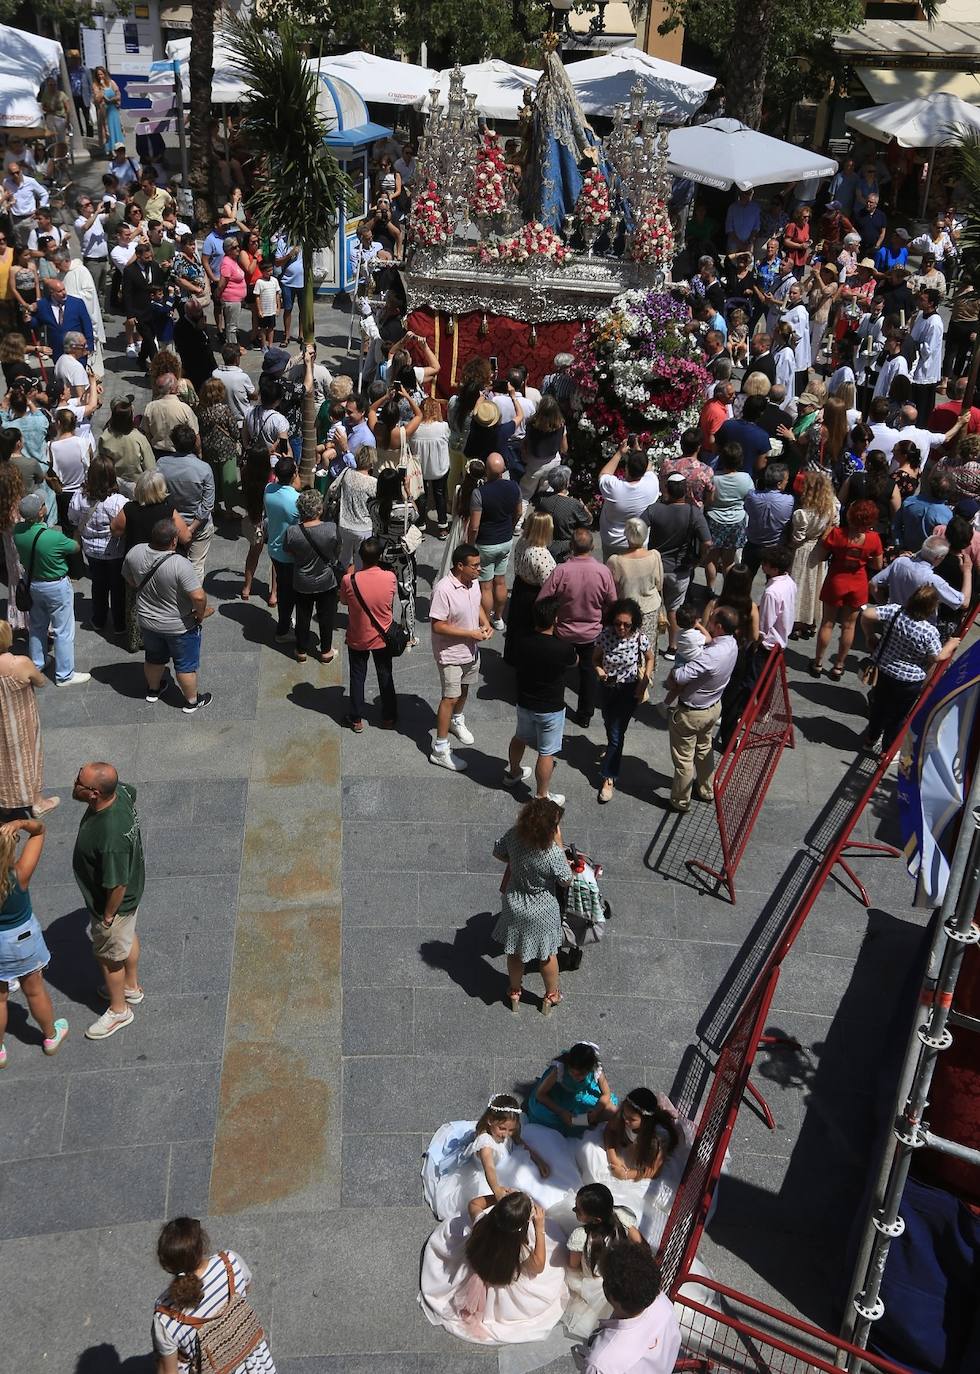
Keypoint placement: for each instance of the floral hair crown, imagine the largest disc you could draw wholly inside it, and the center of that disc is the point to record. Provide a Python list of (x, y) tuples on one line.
[(495, 1105)]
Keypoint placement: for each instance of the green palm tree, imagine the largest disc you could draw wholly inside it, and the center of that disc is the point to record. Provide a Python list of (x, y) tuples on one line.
[(301, 191)]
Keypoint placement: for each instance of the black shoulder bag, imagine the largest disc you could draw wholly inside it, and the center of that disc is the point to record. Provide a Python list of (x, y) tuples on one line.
[(22, 592), (335, 567), (158, 564), (396, 637)]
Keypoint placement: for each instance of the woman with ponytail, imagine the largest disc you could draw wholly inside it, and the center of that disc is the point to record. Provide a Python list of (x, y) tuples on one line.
[(640, 1156), (202, 1286), (490, 1276), (601, 1225)]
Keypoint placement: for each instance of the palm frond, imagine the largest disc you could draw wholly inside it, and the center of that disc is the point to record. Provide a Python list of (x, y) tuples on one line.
[(302, 189), (964, 142)]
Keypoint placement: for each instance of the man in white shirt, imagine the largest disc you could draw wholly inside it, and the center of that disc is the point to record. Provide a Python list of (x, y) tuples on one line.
[(893, 366), (642, 1336), (120, 257), (927, 335), (870, 336), (924, 439), (883, 436), (90, 228), (406, 165), (69, 369), (777, 296), (236, 381), (798, 319), (624, 497), (22, 196), (45, 228), (322, 377), (123, 168)]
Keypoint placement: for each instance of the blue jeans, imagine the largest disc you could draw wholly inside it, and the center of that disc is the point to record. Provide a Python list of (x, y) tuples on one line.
[(618, 704), (54, 606)]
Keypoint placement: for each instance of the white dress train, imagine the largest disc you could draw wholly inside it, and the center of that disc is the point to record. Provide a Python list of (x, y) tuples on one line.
[(454, 1297), (452, 1173), (649, 1199)]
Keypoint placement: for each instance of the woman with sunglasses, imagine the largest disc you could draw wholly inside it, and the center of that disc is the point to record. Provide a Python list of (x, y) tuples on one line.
[(623, 660)]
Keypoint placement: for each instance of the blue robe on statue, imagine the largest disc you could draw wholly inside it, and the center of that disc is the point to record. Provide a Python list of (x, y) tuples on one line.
[(560, 135)]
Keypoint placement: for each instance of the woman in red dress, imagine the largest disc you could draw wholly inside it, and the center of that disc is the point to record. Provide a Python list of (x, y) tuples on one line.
[(853, 553)]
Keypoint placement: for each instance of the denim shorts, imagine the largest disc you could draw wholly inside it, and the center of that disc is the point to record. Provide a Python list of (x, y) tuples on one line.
[(289, 294), (22, 950), (184, 649), (542, 730), (494, 559)]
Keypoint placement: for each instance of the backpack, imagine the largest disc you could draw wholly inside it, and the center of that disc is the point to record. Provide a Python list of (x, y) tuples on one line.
[(225, 1340)]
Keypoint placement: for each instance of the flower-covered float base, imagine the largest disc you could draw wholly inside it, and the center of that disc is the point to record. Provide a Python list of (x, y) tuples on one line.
[(638, 373)]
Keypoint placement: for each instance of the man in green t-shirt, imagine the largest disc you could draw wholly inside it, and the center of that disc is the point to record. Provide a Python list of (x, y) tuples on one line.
[(43, 552), (110, 873)]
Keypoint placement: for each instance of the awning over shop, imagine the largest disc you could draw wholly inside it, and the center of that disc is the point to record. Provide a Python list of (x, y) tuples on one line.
[(886, 85)]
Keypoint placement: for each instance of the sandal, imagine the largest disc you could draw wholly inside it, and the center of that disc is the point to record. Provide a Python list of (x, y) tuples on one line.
[(836, 672), (815, 669), (549, 1001), (300, 656), (328, 657), (514, 1000)]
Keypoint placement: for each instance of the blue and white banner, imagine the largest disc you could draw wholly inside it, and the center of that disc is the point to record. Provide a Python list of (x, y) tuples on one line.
[(932, 777)]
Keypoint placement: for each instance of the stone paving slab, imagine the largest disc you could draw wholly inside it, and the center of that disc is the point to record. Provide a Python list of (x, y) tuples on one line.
[(316, 922)]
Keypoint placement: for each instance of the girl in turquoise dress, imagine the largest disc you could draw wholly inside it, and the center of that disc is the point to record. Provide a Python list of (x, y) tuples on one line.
[(573, 1094)]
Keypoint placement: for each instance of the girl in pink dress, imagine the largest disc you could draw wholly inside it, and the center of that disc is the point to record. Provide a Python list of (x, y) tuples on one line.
[(494, 1277)]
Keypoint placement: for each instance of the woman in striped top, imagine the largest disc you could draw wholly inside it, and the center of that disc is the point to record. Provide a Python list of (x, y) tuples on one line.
[(199, 1289)]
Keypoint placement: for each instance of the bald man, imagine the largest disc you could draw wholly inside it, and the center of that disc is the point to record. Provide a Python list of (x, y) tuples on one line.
[(110, 873)]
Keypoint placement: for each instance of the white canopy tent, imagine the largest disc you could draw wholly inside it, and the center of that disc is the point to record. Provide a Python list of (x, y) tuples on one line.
[(379, 79), (498, 86), (227, 87), (25, 60), (603, 82), (725, 153), (924, 122)]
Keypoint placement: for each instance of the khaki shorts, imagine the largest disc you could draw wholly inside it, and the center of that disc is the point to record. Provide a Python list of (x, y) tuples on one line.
[(453, 677), (113, 943)]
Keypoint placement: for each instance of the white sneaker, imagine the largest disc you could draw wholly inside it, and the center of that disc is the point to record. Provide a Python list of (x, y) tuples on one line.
[(75, 680), (457, 727), (498, 623), (557, 797), (445, 758), (132, 351), (524, 775), (108, 1023)]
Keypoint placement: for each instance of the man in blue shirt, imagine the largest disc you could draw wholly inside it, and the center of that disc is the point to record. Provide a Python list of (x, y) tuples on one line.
[(212, 251), (280, 502), (743, 223), (751, 438), (919, 515), (290, 258), (355, 424), (893, 253)]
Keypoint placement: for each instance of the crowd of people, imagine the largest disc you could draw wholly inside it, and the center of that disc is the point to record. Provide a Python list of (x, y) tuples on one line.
[(833, 453)]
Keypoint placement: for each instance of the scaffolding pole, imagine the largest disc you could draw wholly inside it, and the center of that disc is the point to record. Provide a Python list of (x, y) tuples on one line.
[(954, 930)]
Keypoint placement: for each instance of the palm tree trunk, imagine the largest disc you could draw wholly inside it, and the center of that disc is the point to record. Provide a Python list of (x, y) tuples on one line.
[(748, 63), (200, 65), (307, 465)]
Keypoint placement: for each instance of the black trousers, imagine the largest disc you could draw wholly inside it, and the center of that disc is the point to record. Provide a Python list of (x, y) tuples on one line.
[(325, 604), (83, 115), (960, 338), (889, 703), (588, 682), (108, 589), (148, 339), (435, 495), (358, 662), (286, 597), (802, 381), (924, 396)]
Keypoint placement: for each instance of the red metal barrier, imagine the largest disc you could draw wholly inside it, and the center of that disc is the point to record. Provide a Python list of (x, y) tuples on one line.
[(747, 765), (745, 1336), (730, 1078), (716, 1121)]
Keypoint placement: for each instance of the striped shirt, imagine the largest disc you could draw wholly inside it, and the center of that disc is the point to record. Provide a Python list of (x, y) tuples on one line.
[(171, 1335)]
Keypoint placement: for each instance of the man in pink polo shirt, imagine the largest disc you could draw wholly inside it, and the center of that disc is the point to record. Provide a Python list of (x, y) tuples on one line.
[(585, 590), (459, 625), (642, 1335)]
